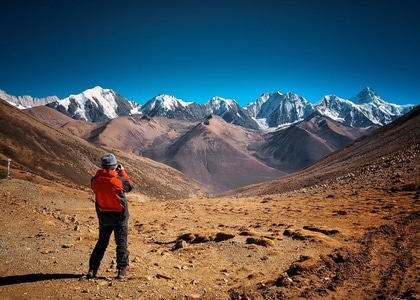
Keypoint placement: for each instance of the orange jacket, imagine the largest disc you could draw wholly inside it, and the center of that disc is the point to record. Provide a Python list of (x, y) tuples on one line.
[(109, 188)]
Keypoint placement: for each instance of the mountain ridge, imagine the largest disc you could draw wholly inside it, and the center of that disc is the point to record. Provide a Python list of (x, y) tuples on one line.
[(170, 133), (270, 110)]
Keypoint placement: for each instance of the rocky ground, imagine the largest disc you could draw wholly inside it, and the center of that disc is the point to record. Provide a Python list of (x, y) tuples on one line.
[(326, 242)]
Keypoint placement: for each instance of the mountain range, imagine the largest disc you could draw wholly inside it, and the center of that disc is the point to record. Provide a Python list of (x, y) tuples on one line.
[(270, 110), (218, 144)]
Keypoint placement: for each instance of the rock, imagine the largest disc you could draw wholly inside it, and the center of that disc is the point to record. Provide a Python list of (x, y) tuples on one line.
[(260, 241), (179, 244), (221, 236)]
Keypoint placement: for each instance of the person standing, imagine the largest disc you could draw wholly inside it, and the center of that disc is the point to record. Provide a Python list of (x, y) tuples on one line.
[(110, 185)]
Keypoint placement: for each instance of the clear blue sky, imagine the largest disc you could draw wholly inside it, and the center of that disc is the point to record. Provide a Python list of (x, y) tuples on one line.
[(196, 49)]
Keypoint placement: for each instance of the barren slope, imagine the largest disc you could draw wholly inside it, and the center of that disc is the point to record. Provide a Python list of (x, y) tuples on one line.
[(216, 154), (380, 158), (302, 144), (41, 152), (50, 116)]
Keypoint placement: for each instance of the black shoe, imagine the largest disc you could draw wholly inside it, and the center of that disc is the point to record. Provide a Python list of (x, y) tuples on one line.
[(91, 273)]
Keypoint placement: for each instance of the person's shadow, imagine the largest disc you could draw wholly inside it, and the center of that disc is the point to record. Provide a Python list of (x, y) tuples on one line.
[(16, 279)]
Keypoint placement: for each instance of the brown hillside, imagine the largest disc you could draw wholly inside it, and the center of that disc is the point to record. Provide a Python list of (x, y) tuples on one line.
[(293, 148), (40, 151), (216, 154), (57, 119), (383, 158), (135, 133)]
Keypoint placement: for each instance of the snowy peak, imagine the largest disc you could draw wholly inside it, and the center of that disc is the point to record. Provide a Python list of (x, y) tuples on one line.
[(171, 107), (343, 111), (254, 107), (220, 106), (294, 102), (96, 98), (275, 109), (26, 101), (169, 101), (231, 112), (219, 100), (270, 110), (365, 109), (95, 105), (166, 106), (367, 95)]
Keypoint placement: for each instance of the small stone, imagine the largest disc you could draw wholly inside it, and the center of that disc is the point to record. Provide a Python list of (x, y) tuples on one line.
[(47, 251), (180, 244)]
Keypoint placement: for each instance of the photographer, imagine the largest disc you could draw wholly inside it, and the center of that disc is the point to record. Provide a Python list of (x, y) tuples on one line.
[(110, 185)]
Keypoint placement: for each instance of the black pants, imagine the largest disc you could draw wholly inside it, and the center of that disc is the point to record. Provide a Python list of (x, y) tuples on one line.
[(120, 233)]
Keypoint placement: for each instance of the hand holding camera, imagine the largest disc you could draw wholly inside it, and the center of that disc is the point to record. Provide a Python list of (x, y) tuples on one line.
[(119, 168)]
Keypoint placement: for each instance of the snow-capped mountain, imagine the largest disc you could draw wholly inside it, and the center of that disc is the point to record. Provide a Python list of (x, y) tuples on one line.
[(365, 109), (23, 102), (171, 107), (95, 105), (275, 109), (270, 110), (168, 106), (231, 112), (343, 111)]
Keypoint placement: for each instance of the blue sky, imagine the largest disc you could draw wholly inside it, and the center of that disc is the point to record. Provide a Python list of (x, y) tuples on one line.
[(196, 50)]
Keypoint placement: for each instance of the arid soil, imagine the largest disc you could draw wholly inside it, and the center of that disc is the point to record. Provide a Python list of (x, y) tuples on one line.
[(324, 242)]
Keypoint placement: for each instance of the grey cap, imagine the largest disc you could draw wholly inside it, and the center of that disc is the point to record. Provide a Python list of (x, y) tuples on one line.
[(108, 161)]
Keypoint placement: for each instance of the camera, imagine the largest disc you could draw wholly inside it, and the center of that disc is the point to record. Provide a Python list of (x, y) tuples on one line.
[(119, 167)]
